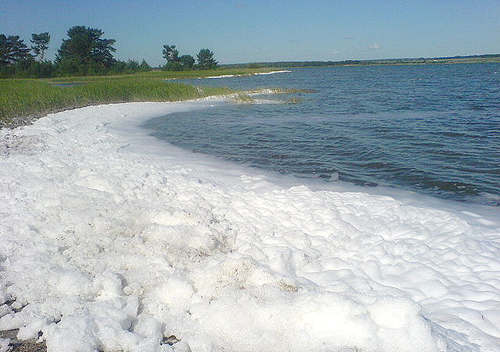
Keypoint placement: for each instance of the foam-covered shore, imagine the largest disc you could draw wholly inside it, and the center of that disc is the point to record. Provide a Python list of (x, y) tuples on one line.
[(112, 240)]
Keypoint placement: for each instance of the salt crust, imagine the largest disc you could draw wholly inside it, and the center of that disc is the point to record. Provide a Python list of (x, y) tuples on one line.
[(111, 240)]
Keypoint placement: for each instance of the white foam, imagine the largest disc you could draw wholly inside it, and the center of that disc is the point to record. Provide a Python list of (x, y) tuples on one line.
[(252, 74), (112, 240), (4, 345), (272, 72)]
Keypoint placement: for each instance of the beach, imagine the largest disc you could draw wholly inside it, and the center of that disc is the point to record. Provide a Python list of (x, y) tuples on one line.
[(112, 240)]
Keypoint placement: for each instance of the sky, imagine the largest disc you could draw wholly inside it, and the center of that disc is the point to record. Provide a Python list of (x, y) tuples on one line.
[(241, 31)]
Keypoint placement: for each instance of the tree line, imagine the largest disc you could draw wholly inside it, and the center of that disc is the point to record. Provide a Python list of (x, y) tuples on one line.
[(84, 52), (206, 60)]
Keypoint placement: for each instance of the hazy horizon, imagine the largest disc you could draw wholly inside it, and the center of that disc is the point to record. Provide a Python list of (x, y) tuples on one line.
[(263, 31)]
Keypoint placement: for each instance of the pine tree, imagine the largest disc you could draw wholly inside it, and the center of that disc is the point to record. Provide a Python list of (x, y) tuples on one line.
[(206, 59), (85, 51), (170, 53), (40, 44), (187, 62), (144, 66), (13, 50)]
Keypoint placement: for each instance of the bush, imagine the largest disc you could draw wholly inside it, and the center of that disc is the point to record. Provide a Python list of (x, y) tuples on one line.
[(173, 66)]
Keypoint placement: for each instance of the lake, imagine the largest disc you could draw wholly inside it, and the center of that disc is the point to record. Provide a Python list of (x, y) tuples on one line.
[(432, 129)]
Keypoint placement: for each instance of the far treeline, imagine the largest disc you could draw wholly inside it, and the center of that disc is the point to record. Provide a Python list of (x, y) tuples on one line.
[(84, 53), (487, 58)]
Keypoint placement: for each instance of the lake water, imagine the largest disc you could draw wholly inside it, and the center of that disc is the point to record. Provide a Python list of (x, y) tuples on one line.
[(432, 129)]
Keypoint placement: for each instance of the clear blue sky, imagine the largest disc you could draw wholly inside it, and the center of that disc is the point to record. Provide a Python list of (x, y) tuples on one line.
[(268, 30)]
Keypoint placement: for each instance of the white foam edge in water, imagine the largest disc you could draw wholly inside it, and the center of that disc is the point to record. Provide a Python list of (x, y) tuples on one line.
[(114, 240), (232, 76), (252, 74)]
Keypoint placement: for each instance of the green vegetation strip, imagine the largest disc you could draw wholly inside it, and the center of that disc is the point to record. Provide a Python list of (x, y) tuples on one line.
[(161, 74), (30, 98), (21, 100)]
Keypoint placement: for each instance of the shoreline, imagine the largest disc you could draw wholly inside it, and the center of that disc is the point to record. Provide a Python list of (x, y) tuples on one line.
[(26, 99), (31, 118), (101, 219), (51, 98), (252, 74)]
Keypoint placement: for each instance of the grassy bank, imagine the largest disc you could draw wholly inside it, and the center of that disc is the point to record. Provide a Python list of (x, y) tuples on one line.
[(160, 74), (24, 99), (20, 99)]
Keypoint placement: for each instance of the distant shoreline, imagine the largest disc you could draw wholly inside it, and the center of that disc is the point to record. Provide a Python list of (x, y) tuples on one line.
[(472, 59)]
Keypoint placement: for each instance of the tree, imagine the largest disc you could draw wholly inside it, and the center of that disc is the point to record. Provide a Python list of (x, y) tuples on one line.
[(206, 59), (85, 51), (176, 62), (144, 66), (170, 53), (40, 44), (13, 50), (133, 65), (4, 50), (173, 66), (187, 62), (42, 69), (130, 66)]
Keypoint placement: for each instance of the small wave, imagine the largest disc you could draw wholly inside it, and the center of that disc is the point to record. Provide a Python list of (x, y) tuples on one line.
[(246, 75), (271, 73), (222, 76), (490, 198)]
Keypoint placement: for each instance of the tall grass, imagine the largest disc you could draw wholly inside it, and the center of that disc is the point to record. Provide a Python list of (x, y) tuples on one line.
[(160, 74), (26, 97)]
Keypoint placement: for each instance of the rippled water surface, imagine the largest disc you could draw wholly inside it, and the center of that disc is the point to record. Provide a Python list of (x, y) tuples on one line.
[(434, 129)]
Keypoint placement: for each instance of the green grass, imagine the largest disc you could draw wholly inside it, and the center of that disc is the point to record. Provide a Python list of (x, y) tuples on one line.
[(159, 74), (20, 98), (242, 98)]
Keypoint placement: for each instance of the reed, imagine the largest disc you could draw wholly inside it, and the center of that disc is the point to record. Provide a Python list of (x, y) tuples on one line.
[(242, 98), (160, 74), (26, 98)]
